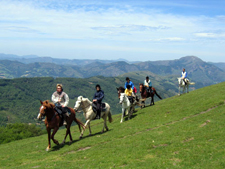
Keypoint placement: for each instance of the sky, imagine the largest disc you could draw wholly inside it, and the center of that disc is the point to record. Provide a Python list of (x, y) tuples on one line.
[(140, 30)]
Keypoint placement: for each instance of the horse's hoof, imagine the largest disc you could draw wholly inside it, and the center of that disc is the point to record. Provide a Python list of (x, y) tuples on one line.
[(80, 137), (90, 134), (70, 142), (47, 149), (62, 143)]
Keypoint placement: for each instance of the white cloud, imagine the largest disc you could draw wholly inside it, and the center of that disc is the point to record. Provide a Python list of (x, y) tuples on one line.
[(76, 25)]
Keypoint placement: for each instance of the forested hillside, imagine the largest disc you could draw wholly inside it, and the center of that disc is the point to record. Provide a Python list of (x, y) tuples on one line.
[(20, 97)]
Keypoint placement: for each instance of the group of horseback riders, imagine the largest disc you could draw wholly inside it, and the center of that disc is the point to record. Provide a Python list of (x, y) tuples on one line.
[(61, 99)]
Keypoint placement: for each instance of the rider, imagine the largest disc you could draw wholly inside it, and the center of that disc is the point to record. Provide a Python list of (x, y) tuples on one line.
[(128, 90), (128, 82), (184, 75), (129, 93), (148, 84), (97, 100), (61, 100)]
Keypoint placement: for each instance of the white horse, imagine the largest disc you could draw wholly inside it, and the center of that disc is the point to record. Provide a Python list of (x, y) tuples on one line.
[(126, 105), (89, 114), (183, 85)]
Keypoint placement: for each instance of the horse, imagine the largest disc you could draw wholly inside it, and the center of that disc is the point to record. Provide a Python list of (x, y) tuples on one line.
[(124, 103), (183, 85), (53, 121), (145, 94), (86, 106)]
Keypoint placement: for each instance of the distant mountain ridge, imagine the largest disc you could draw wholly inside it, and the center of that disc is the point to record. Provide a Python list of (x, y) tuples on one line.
[(46, 59), (197, 69)]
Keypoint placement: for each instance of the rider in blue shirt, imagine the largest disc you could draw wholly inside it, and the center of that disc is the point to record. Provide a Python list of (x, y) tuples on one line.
[(128, 82), (97, 100)]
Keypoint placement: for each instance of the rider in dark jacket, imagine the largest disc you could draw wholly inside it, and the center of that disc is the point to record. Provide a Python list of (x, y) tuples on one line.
[(97, 99)]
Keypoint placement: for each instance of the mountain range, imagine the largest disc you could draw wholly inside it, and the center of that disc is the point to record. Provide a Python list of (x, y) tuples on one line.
[(33, 66)]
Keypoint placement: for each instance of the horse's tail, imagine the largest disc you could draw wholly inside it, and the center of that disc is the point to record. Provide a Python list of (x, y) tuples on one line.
[(110, 117), (79, 123), (77, 120), (158, 95)]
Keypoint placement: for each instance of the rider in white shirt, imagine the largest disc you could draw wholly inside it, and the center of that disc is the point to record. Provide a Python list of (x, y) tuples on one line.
[(184, 75), (148, 84)]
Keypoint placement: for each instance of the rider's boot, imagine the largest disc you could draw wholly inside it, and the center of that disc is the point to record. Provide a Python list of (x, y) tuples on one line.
[(150, 89)]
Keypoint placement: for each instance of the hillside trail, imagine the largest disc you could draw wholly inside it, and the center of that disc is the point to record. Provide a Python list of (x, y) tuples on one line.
[(150, 129)]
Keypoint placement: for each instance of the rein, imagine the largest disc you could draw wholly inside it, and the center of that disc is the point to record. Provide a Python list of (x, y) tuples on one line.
[(83, 105)]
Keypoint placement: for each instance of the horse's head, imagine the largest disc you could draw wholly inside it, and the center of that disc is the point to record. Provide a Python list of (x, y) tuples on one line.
[(120, 90), (141, 87), (122, 97), (45, 107), (78, 103)]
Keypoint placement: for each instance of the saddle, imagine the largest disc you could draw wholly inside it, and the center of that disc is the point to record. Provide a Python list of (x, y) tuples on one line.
[(61, 111), (103, 107), (131, 99)]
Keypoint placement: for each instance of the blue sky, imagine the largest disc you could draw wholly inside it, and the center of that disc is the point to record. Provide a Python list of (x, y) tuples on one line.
[(133, 30)]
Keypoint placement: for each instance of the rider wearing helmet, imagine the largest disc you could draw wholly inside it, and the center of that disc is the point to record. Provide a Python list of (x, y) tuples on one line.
[(148, 84), (61, 100), (129, 93), (128, 90), (97, 100)]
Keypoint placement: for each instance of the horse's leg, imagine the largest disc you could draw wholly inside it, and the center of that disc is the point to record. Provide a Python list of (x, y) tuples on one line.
[(104, 125), (122, 115), (81, 135), (49, 137), (153, 100), (89, 126), (179, 90), (130, 112), (53, 134), (68, 132), (187, 88)]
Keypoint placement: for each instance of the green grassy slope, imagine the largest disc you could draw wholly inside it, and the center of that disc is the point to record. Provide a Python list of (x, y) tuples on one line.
[(179, 132)]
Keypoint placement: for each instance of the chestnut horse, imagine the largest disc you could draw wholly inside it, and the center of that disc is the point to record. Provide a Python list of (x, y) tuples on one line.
[(53, 121), (145, 94)]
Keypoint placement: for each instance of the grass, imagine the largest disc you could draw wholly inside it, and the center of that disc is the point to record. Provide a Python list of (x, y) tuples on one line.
[(179, 132)]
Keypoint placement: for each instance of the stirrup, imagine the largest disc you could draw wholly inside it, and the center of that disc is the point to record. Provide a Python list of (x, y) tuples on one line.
[(64, 123)]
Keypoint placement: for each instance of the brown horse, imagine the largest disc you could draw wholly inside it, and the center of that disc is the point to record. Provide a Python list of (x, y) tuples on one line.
[(145, 94), (53, 121)]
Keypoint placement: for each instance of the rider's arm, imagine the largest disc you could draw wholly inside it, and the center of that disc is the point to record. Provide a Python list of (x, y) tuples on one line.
[(66, 97), (125, 86), (101, 96), (132, 85), (150, 84), (54, 99)]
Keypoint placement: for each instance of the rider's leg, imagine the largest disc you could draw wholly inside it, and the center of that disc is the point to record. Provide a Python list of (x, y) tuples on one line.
[(98, 116), (150, 88)]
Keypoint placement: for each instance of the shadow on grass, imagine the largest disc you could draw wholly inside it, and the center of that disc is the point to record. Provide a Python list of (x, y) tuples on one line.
[(58, 147)]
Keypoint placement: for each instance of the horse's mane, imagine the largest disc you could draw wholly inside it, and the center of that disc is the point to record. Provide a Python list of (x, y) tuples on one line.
[(48, 104), (85, 99), (122, 89)]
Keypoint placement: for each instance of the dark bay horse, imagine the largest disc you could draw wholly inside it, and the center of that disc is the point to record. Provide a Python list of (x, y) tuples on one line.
[(145, 94), (53, 121)]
